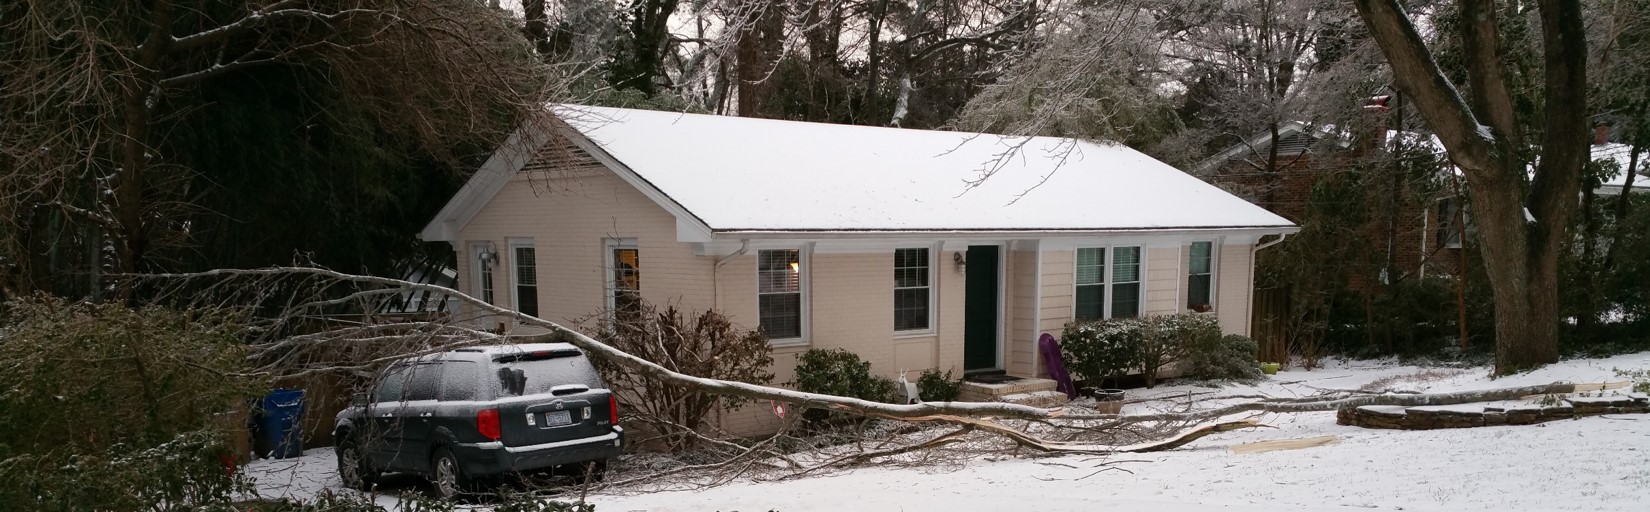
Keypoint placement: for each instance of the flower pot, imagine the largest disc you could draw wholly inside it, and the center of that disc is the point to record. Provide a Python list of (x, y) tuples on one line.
[(1107, 401), (1270, 368)]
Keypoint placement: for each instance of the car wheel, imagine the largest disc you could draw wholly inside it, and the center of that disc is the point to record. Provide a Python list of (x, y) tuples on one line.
[(354, 468), (448, 477)]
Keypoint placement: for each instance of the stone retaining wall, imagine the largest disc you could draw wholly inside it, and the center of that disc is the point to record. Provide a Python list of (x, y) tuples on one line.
[(1428, 418)]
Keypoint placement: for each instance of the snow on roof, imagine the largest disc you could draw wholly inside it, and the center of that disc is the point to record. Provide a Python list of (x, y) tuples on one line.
[(747, 174)]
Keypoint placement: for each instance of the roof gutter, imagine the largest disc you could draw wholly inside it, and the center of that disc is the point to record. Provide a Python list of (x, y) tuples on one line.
[(824, 234)]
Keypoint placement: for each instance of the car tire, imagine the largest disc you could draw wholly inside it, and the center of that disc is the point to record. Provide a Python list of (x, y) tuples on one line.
[(448, 476), (354, 469)]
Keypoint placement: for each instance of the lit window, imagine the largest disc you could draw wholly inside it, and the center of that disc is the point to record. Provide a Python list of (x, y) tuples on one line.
[(779, 293), (625, 290)]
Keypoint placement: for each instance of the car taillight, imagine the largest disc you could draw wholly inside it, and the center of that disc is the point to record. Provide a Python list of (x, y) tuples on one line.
[(613, 409), (487, 424)]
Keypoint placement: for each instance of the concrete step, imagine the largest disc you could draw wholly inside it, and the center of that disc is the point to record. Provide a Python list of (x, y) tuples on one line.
[(983, 392), (1044, 399)]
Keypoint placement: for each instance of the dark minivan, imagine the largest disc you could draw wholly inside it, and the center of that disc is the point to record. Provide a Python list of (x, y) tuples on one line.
[(463, 416)]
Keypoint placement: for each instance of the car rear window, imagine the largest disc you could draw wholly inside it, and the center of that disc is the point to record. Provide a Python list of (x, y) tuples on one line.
[(543, 374)]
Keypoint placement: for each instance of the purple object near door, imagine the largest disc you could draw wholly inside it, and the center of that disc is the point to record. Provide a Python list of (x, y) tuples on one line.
[(1056, 367)]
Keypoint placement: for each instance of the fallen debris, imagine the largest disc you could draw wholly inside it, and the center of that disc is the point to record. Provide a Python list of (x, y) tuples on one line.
[(1285, 444)]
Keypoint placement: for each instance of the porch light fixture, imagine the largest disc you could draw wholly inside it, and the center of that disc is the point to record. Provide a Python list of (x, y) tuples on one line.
[(488, 255), (960, 260)]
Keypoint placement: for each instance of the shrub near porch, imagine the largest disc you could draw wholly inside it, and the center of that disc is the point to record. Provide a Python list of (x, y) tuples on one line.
[(1100, 351)]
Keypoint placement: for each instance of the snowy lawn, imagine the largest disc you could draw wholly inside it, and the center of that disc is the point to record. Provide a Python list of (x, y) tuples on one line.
[(1595, 463)]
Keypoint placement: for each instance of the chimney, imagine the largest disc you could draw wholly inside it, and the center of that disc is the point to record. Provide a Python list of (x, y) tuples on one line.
[(1601, 134), (1377, 108)]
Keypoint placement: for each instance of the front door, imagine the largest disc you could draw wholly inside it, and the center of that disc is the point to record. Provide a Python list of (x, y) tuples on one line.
[(980, 308)]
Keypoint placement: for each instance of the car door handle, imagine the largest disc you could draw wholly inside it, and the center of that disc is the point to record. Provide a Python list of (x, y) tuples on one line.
[(385, 415), (426, 415)]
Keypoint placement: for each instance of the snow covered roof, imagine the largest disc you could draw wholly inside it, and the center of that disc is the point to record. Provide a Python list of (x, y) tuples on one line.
[(739, 174)]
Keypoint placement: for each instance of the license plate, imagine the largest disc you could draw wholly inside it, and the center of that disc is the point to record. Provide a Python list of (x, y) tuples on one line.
[(558, 418)]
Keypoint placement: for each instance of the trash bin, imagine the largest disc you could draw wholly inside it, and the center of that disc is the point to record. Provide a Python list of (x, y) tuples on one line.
[(279, 425)]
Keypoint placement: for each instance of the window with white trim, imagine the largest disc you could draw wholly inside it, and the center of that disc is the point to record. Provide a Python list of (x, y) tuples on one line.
[(779, 293), (624, 288), (1125, 282), (526, 277), (483, 274), (913, 293), (1200, 276), (1100, 294), (1091, 283)]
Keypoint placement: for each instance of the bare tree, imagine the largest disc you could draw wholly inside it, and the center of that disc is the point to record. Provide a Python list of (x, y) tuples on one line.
[(93, 91), (1522, 228)]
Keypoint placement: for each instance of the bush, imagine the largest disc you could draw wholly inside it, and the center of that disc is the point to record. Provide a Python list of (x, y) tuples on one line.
[(105, 407), (938, 387), (1170, 339), (1102, 349), (708, 346), (1233, 358), (841, 373), (186, 473)]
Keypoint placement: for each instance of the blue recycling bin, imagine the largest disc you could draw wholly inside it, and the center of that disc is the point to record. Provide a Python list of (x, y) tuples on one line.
[(279, 427)]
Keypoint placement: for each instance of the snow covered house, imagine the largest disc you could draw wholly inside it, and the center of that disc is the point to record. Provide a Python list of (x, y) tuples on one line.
[(888, 242)]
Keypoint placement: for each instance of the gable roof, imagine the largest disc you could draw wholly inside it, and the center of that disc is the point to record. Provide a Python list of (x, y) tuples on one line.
[(733, 174)]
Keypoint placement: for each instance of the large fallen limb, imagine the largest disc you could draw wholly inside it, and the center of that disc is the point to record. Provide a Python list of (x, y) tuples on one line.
[(1288, 405), (598, 349), (979, 415)]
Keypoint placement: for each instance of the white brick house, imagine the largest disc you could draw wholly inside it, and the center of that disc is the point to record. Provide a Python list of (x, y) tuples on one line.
[(864, 238)]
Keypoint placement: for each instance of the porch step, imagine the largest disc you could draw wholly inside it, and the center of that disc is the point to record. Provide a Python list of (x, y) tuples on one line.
[(1044, 399), (983, 392)]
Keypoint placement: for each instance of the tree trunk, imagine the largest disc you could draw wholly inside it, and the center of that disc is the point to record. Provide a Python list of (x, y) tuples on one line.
[(1520, 242), (140, 91), (1523, 274)]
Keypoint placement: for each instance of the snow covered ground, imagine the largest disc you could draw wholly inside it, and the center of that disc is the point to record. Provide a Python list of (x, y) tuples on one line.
[(1595, 463)]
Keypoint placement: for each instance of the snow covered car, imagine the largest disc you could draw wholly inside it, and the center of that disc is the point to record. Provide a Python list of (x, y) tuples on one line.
[(464, 416)]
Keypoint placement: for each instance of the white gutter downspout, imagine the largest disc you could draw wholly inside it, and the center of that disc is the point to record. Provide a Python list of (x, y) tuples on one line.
[(716, 280), (1281, 236), (1249, 305)]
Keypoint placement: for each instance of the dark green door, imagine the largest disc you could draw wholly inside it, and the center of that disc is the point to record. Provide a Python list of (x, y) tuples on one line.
[(980, 308)]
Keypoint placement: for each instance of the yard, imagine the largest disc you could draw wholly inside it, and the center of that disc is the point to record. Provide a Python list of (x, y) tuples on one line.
[(1592, 463)]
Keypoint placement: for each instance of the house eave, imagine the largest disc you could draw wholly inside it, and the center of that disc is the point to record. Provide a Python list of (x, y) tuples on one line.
[(836, 233)]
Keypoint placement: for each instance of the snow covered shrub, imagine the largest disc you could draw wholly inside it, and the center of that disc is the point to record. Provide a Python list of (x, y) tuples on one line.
[(105, 407), (1102, 349), (938, 387), (1232, 358), (842, 373), (708, 346), (1170, 339), (186, 473)]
